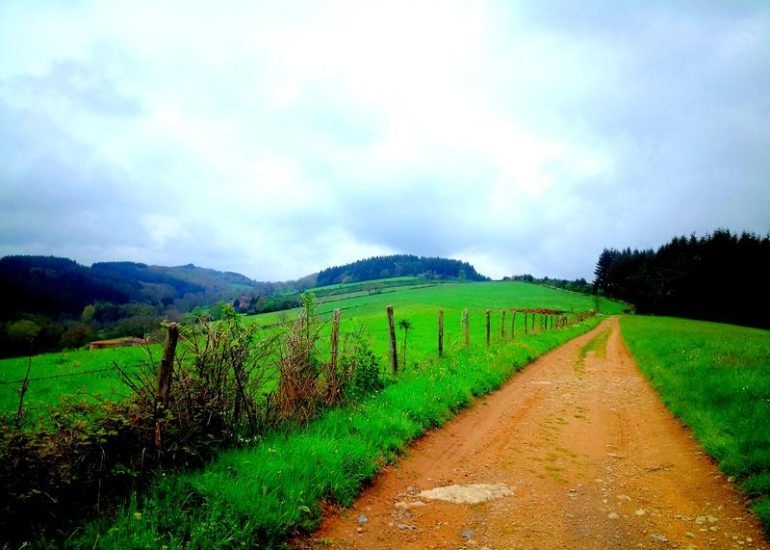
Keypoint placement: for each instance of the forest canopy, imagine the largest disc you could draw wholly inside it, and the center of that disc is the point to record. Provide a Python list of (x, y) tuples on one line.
[(383, 267), (720, 277)]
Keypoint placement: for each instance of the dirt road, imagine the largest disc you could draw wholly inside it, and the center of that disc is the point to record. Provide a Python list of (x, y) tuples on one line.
[(576, 451)]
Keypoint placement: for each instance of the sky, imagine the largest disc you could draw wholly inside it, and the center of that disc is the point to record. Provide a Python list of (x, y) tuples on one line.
[(278, 138)]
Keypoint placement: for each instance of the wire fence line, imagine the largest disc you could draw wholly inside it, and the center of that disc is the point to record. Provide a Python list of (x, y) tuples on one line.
[(372, 329), (73, 374)]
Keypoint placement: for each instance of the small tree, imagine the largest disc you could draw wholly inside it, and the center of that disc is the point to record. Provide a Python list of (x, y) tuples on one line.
[(405, 325)]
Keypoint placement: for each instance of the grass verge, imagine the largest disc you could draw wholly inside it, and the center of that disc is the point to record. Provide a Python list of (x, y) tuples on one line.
[(716, 379), (262, 495)]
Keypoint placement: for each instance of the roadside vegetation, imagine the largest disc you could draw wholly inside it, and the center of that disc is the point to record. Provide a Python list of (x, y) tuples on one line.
[(716, 378)]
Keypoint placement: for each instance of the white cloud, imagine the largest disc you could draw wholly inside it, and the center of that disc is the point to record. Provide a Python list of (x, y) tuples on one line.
[(276, 139)]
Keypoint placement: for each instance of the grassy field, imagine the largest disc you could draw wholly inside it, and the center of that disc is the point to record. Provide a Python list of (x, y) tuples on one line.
[(420, 303), (53, 375), (258, 496), (716, 378), (91, 373)]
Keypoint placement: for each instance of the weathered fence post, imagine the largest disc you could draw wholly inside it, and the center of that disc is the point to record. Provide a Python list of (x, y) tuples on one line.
[(489, 325), (167, 364), (526, 330), (335, 341), (164, 376), (393, 352), (502, 325), (534, 318), (466, 323), (513, 325), (440, 332)]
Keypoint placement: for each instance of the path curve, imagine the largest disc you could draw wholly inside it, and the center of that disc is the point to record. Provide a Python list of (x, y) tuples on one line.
[(579, 452)]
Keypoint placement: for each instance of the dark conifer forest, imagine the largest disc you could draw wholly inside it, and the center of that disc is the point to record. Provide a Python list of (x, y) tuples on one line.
[(721, 277)]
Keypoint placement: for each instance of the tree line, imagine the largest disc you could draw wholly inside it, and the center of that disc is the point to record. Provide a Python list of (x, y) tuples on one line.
[(399, 265), (721, 277), (578, 285)]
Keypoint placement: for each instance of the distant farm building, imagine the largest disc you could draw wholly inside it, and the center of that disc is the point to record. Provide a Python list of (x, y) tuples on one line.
[(118, 342)]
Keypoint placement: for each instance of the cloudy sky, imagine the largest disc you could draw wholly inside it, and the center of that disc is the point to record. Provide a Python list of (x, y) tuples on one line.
[(278, 138)]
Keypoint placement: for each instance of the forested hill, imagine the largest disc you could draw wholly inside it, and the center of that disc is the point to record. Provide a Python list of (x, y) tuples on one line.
[(383, 267), (720, 277), (59, 303), (41, 284)]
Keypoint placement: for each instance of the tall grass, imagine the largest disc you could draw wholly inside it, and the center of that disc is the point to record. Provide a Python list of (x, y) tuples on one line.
[(261, 495), (716, 378)]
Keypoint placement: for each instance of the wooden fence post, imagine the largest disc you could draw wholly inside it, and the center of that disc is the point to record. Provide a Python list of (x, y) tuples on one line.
[(335, 340), (167, 364), (513, 325), (534, 318), (440, 332), (502, 325), (466, 323), (393, 352), (526, 330), (164, 376), (489, 325)]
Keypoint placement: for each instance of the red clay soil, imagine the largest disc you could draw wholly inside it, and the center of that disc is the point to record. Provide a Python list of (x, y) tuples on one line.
[(590, 457)]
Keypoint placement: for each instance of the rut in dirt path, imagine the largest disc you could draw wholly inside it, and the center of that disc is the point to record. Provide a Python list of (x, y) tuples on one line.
[(576, 451)]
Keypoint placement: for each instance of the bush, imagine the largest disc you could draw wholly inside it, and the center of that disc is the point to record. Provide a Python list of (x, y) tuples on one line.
[(77, 460), (81, 458), (363, 371)]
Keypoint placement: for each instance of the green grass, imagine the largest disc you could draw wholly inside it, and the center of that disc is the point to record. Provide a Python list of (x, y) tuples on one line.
[(419, 304), (716, 378), (259, 496), (53, 375)]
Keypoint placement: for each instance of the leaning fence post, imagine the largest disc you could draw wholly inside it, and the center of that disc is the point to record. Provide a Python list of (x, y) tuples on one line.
[(393, 352), (466, 322), (488, 327), (440, 332), (164, 376)]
